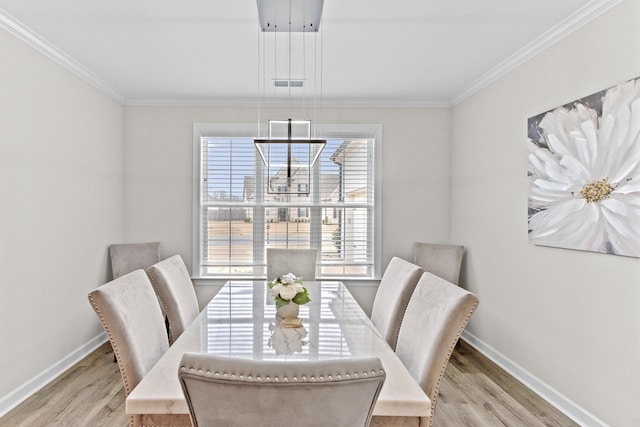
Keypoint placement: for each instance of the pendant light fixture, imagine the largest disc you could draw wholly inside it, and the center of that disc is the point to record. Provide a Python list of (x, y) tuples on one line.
[(289, 152)]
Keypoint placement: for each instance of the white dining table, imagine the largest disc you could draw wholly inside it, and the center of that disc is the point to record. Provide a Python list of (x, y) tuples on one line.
[(240, 321)]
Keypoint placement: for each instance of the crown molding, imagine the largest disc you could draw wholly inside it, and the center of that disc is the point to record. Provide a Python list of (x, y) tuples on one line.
[(283, 102), (22, 32), (549, 38)]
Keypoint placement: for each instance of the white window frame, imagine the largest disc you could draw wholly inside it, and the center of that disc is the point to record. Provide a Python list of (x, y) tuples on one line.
[(328, 131)]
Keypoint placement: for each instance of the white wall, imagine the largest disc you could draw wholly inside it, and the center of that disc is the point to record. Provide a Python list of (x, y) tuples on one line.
[(415, 187), (61, 204), (569, 318)]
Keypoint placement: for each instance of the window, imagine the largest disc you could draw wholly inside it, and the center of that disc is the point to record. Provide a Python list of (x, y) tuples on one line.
[(236, 219)]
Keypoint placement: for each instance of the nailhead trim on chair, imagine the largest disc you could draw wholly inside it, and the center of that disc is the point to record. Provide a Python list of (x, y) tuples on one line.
[(395, 344), (303, 379), (154, 284), (116, 351), (434, 397)]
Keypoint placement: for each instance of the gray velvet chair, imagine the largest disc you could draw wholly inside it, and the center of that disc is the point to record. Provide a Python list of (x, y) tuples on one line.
[(128, 257), (393, 294), (230, 392), (442, 260), (130, 315), (436, 316), (301, 262), (172, 283)]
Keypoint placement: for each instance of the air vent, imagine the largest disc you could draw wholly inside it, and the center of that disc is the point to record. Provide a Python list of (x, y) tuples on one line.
[(288, 83)]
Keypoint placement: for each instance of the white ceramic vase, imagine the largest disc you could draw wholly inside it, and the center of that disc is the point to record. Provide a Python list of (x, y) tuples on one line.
[(290, 310)]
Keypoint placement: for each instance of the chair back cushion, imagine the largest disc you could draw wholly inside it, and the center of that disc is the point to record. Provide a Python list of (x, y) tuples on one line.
[(240, 392), (172, 283), (436, 316), (394, 291), (444, 261), (128, 257), (301, 262), (131, 316)]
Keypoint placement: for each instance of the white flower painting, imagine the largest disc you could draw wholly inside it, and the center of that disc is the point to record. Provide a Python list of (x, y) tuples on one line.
[(584, 173)]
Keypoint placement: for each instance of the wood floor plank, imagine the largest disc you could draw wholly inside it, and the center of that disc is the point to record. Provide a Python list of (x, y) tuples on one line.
[(474, 393), (88, 394), (482, 392), (469, 358), (460, 409)]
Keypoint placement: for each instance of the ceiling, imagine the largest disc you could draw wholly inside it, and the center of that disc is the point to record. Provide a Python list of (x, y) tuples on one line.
[(407, 52)]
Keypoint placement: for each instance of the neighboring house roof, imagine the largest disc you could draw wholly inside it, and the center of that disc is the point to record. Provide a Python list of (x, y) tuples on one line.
[(347, 149)]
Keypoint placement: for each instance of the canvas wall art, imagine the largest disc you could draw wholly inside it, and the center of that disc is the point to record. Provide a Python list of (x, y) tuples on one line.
[(584, 173)]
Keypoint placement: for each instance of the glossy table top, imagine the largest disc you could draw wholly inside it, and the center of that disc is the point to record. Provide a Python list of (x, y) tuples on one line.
[(241, 321)]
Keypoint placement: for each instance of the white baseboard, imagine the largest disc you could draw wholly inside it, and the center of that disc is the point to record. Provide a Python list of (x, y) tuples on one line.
[(27, 389), (566, 406)]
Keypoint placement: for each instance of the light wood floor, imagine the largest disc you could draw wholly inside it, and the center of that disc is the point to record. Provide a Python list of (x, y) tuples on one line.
[(474, 392)]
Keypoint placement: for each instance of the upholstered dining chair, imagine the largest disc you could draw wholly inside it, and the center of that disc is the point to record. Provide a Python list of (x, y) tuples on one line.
[(393, 294), (442, 260), (172, 283), (436, 316), (233, 392), (130, 315), (128, 257), (301, 262)]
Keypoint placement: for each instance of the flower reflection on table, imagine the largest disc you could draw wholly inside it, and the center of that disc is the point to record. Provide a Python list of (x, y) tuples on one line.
[(286, 340)]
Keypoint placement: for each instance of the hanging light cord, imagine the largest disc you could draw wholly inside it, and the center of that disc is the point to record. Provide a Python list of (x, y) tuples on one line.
[(289, 85), (260, 71)]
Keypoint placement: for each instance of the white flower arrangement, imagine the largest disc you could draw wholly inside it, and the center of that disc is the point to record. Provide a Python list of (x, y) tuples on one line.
[(288, 288)]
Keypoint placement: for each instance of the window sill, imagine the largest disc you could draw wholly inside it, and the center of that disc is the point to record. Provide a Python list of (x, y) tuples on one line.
[(216, 281)]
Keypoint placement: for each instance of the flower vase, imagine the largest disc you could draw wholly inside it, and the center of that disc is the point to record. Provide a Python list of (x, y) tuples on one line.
[(290, 310)]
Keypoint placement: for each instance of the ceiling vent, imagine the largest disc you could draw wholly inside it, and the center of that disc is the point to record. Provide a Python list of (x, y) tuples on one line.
[(288, 83)]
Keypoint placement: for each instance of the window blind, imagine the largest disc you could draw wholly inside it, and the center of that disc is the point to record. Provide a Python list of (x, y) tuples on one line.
[(239, 218)]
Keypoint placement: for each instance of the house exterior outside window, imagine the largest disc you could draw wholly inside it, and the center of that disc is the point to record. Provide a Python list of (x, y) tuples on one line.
[(236, 219)]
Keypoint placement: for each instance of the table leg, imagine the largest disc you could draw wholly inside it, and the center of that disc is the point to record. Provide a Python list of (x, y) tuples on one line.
[(378, 421), (161, 420)]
